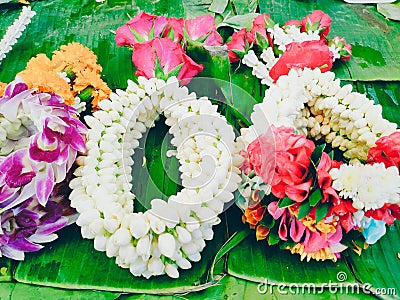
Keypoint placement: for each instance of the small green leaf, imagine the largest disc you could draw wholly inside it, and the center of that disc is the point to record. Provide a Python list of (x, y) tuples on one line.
[(285, 202), (231, 243), (317, 153), (138, 37), (273, 238), (321, 211), (315, 197), (331, 154), (390, 11), (175, 71), (240, 21), (218, 6), (304, 209)]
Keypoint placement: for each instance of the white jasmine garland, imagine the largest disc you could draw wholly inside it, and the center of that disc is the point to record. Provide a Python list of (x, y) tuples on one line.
[(173, 232), (289, 34), (15, 31), (368, 186)]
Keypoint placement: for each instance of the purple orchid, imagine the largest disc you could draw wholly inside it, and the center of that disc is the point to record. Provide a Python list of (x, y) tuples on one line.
[(56, 136), (27, 225)]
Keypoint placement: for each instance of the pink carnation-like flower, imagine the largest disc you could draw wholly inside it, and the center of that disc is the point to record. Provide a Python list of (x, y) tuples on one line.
[(162, 58), (282, 160), (309, 54), (387, 151)]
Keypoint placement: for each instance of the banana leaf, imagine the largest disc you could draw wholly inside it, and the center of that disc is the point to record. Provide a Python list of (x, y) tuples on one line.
[(15, 291)]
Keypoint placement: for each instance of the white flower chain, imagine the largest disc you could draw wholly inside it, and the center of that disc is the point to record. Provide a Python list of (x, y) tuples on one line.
[(315, 104), (290, 34), (171, 234), (15, 31)]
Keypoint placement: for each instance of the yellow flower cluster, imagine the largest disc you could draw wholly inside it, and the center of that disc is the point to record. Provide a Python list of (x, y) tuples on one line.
[(322, 254), (71, 70)]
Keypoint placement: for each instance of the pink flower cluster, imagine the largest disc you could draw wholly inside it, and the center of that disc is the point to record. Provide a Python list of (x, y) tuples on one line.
[(158, 43), (304, 212), (40, 160)]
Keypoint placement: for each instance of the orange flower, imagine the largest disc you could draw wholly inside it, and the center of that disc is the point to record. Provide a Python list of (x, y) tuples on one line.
[(253, 215), (40, 62), (261, 232), (90, 78), (77, 56), (48, 82), (2, 88)]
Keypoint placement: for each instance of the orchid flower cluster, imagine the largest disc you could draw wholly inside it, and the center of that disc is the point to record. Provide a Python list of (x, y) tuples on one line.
[(15, 31), (149, 35), (72, 72), (40, 138), (281, 48), (172, 233), (313, 198)]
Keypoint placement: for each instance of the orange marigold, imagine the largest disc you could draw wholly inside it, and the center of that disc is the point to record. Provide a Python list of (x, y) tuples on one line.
[(48, 82), (2, 88), (77, 56), (40, 62), (90, 78)]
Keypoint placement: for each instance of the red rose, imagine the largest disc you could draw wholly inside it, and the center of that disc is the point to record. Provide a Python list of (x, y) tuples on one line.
[(318, 20), (142, 26), (387, 151), (203, 29), (309, 54), (169, 55), (237, 45)]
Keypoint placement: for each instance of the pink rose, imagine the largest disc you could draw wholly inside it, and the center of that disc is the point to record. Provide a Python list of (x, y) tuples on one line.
[(170, 57), (139, 29), (202, 29), (309, 54), (318, 20), (174, 29), (293, 22), (344, 48), (237, 45)]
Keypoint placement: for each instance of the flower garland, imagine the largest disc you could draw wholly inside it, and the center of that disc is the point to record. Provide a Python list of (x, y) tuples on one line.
[(15, 31), (281, 48), (40, 137), (171, 234), (298, 196)]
